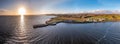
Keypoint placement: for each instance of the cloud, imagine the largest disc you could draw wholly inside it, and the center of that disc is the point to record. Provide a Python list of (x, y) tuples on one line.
[(46, 6), (102, 11), (7, 12), (2, 10)]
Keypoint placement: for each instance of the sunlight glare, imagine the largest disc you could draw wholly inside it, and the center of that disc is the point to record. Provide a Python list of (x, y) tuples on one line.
[(22, 11)]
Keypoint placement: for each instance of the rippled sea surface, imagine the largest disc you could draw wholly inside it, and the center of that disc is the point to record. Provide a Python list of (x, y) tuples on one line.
[(19, 30)]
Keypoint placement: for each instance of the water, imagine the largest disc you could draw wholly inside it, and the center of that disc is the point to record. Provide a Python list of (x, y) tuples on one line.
[(19, 30)]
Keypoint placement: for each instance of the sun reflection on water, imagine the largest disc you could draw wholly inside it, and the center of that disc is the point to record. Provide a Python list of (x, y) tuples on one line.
[(22, 31), (22, 25), (22, 19)]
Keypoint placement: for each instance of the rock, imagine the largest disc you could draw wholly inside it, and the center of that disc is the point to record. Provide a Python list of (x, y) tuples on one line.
[(40, 25)]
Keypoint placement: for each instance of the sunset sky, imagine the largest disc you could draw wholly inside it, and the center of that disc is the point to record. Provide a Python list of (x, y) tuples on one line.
[(57, 6)]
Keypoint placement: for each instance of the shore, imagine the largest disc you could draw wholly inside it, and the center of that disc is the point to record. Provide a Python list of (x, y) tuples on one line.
[(88, 18)]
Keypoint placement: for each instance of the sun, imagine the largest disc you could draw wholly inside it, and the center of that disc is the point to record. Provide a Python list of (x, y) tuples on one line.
[(22, 11)]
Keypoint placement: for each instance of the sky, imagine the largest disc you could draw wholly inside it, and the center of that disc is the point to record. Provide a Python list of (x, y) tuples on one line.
[(57, 6)]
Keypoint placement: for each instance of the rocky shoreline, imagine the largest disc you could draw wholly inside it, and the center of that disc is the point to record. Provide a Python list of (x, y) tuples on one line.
[(79, 19), (53, 24)]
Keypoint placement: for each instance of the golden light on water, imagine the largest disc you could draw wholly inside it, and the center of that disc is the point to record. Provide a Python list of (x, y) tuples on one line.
[(22, 31), (22, 12)]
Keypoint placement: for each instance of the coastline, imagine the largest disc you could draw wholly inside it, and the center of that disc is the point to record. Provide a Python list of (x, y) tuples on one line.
[(79, 19)]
